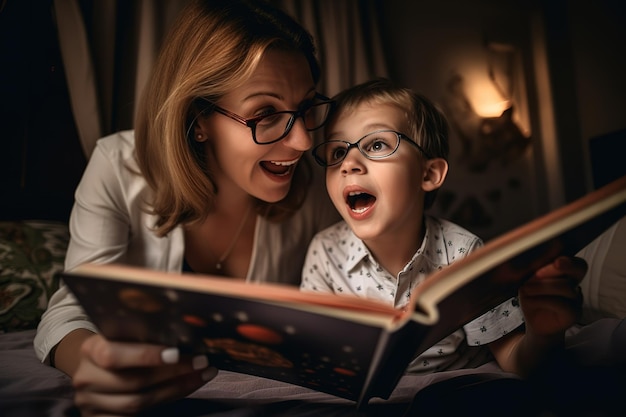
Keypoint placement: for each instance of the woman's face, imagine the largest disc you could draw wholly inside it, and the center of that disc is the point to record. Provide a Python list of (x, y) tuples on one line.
[(282, 81)]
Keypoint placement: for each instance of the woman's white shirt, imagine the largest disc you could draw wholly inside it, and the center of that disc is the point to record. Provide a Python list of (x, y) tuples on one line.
[(109, 223)]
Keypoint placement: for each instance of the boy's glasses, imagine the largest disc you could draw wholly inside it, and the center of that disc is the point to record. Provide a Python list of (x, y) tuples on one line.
[(375, 145), (270, 128)]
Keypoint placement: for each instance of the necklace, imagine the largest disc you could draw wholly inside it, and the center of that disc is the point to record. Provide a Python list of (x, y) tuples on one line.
[(218, 265)]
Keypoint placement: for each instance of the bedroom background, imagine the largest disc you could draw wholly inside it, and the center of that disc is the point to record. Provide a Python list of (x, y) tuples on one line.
[(535, 91)]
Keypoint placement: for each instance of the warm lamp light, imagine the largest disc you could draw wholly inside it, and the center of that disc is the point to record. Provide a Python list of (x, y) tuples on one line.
[(484, 104), (492, 109), (485, 99)]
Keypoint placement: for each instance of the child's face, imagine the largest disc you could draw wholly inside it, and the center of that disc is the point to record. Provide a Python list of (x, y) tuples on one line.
[(391, 197)]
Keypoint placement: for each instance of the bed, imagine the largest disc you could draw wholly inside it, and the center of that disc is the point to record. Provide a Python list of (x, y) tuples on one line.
[(31, 256)]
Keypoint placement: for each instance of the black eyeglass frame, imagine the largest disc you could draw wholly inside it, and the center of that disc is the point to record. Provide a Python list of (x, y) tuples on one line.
[(357, 144), (253, 121)]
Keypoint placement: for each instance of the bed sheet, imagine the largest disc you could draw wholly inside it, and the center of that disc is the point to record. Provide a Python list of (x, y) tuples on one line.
[(593, 387), (29, 388)]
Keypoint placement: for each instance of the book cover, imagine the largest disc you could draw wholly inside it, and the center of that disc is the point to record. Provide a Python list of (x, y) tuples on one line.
[(325, 348)]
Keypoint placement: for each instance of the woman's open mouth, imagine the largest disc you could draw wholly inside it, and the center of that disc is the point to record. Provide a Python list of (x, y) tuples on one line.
[(279, 168)]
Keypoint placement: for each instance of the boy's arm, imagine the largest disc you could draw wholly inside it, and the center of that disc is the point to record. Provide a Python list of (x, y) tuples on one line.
[(521, 353), (551, 302)]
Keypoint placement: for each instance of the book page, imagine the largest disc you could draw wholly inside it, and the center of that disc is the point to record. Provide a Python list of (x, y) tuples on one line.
[(492, 274)]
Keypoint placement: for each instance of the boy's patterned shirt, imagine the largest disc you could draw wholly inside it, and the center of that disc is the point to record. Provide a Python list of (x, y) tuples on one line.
[(339, 262)]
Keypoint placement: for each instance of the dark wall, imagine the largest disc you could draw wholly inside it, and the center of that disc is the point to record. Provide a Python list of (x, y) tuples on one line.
[(586, 44), (574, 59), (41, 159)]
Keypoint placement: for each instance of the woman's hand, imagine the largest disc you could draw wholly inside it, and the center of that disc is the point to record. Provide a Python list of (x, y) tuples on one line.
[(125, 378), (551, 300)]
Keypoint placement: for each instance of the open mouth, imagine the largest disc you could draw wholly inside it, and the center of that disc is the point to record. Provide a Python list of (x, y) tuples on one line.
[(360, 202), (279, 168)]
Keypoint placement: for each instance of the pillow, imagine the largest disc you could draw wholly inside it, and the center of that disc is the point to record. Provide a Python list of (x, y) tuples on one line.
[(604, 286), (31, 257)]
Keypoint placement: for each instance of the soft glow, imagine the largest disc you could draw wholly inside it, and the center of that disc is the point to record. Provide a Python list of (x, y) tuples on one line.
[(487, 109), (484, 98)]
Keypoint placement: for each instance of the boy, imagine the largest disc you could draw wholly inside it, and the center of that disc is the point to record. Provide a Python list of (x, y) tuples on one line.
[(386, 245)]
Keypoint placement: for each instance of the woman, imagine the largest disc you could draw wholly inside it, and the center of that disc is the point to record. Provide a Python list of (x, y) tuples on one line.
[(213, 180)]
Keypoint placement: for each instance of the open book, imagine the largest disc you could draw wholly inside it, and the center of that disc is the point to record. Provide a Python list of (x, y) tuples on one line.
[(349, 347)]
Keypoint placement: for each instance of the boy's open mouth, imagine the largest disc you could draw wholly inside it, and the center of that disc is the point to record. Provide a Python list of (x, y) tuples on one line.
[(359, 201)]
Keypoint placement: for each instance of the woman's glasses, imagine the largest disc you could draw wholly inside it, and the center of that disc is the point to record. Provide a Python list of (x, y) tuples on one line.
[(375, 145), (270, 128)]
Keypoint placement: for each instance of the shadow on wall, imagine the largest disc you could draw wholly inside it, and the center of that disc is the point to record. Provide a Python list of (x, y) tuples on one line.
[(607, 157)]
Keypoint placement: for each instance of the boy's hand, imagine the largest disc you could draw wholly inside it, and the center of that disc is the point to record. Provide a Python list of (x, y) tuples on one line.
[(551, 300)]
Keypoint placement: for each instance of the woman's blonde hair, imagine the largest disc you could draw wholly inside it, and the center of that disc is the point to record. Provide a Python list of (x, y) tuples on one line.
[(428, 126), (213, 48)]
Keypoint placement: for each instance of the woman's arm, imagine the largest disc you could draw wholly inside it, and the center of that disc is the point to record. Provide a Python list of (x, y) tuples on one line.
[(99, 231), (63, 355), (109, 377)]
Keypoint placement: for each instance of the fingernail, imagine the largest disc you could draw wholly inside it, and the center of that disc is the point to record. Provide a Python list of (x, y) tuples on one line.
[(199, 362), (209, 374), (170, 355)]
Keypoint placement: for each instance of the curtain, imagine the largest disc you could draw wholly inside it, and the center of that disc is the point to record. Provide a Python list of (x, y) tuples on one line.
[(109, 46), (347, 37), (79, 71)]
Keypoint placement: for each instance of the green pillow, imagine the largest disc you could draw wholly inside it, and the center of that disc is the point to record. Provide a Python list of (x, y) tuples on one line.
[(31, 257)]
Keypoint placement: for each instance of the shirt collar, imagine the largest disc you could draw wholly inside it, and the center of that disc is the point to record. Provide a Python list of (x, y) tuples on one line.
[(434, 245), (432, 249), (357, 251)]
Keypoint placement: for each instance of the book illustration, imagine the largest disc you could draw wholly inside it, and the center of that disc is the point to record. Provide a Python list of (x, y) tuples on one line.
[(320, 352)]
